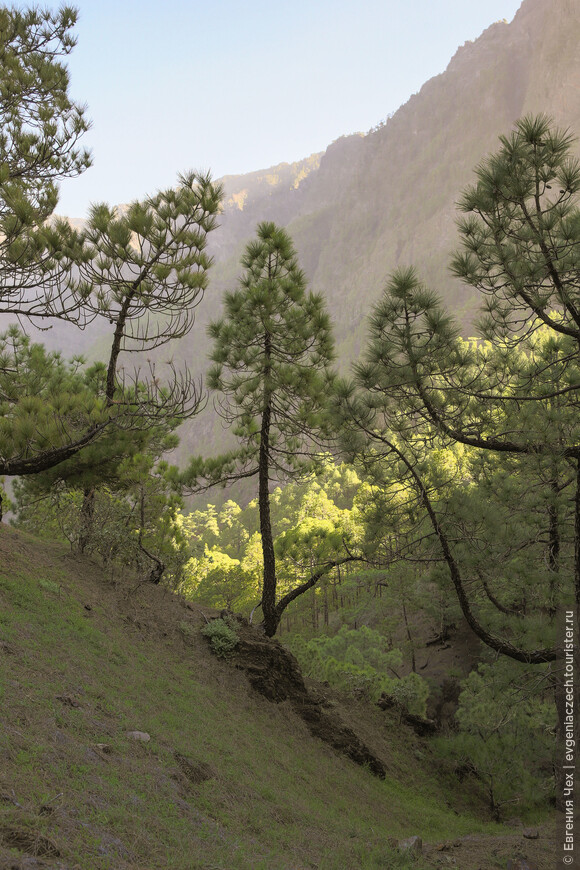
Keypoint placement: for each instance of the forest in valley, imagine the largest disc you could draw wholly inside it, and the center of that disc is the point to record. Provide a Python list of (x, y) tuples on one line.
[(427, 499)]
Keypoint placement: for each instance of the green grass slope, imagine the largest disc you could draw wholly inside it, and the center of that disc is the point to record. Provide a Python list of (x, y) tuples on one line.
[(227, 781)]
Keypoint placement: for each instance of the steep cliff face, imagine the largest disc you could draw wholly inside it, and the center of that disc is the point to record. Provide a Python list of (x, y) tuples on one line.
[(552, 29), (374, 202)]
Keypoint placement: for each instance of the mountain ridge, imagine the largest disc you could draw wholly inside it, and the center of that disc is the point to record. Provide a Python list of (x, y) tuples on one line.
[(416, 164)]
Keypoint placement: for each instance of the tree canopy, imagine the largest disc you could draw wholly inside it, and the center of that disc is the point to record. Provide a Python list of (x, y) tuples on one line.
[(144, 271), (512, 394), (40, 130)]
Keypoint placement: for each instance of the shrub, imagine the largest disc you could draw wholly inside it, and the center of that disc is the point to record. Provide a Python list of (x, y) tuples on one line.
[(222, 637), (506, 733), (357, 660)]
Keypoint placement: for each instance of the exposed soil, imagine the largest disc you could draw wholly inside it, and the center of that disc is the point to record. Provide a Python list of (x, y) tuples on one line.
[(274, 672), (28, 841), (513, 851)]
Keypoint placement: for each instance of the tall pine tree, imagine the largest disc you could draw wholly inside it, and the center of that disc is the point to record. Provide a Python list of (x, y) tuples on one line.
[(272, 356)]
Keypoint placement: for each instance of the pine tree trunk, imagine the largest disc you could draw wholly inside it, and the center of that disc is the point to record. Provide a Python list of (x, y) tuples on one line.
[(554, 544), (87, 518), (269, 579), (410, 639), (271, 617), (116, 346)]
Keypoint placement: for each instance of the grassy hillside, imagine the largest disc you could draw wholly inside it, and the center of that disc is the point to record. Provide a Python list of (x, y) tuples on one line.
[(227, 780)]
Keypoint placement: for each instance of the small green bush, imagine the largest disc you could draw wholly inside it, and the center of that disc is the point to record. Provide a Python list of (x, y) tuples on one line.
[(223, 639)]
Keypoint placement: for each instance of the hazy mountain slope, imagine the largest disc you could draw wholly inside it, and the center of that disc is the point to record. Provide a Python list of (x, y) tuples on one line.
[(374, 202), (387, 198)]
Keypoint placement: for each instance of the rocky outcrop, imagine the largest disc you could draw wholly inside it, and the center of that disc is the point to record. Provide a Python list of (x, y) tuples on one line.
[(275, 674)]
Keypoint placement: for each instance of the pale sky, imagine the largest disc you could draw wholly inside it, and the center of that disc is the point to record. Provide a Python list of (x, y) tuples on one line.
[(239, 85)]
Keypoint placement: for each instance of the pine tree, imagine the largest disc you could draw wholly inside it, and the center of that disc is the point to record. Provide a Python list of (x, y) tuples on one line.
[(513, 394), (39, 132), (272, 358), (145, 271), (504, 405), (46, 405)]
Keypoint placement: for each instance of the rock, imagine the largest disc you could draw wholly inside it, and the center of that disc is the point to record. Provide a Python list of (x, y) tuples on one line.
[(139, 735), (444, 847), (104, 747), (68, 701), (111, 846), (419, 724), (531, 833), (9, 799), (413, 845), (195, 771), (93, 756), (61, 739)]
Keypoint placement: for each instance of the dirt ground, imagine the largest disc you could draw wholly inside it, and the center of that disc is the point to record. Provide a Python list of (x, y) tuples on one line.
[(480, 852)]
